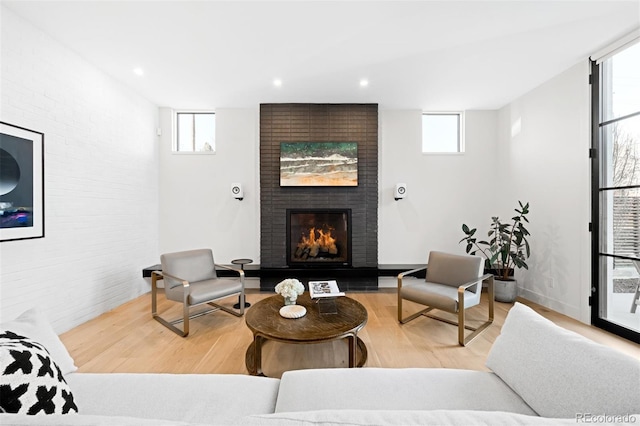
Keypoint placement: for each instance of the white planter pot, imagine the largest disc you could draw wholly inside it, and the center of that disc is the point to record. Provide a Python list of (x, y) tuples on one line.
[(505, 291)]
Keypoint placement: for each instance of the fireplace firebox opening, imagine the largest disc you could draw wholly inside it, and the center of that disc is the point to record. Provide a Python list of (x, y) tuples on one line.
[(319, 237)]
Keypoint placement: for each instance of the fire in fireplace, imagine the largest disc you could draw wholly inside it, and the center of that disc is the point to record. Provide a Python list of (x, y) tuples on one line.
[(318, 237)]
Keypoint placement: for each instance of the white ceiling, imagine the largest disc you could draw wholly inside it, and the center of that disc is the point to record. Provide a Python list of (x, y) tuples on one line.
[(435, 55)]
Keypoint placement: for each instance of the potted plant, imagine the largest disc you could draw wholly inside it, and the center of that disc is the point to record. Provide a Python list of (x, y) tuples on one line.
[(506, 250)]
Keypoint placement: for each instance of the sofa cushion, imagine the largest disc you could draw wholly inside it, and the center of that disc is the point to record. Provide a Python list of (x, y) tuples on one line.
[(85, 420), (560, 373), (34, 324), (31, 382), (196, 398), (403, 418), (396, 389)]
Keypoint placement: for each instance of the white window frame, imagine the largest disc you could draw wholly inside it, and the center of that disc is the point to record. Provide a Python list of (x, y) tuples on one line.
[(174, 139), (461, 139)]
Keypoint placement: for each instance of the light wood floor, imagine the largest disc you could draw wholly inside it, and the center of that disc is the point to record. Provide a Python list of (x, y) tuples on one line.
[(127, 339)]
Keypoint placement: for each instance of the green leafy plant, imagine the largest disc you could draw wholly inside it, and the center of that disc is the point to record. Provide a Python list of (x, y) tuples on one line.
[(507, 247)]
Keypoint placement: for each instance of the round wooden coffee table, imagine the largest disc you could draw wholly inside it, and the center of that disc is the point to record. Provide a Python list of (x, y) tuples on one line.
[(265, 322)]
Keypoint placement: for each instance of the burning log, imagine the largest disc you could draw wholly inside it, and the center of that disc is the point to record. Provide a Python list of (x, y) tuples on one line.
[(317, 244)]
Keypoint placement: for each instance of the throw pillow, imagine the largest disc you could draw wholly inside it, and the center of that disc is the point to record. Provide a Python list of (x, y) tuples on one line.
[(31, 382), (34, 324), (560, 373)]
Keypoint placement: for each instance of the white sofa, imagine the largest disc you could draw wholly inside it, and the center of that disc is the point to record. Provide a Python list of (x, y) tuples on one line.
[(541, 374)]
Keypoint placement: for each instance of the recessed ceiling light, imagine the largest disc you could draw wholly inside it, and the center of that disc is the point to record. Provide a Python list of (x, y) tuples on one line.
[(277, 82), (364, 83), (138, 71)]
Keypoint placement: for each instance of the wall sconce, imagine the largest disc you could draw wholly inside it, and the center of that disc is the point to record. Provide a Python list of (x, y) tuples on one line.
[(236, 191), (401, 191)]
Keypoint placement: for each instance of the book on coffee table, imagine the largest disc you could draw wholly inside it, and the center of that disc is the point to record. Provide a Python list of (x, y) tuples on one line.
[(326, 288)]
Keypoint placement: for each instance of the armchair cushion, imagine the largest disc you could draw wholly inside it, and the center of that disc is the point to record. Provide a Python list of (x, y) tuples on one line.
[(452, 269), (204, 291), (439, 296), (191, 265)]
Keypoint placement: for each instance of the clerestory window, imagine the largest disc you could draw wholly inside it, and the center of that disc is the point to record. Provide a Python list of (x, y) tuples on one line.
[(442, 132), (195, 132)]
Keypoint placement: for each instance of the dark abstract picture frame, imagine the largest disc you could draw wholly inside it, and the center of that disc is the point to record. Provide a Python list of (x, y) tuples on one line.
[(318, 164), (21, 183)]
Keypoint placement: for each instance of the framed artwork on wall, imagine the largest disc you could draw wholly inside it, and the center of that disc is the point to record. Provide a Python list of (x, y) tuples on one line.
[(21, 183), (318, 164)]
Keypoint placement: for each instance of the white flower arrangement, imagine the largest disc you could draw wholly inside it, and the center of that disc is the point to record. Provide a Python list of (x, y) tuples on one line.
[(290, 288)]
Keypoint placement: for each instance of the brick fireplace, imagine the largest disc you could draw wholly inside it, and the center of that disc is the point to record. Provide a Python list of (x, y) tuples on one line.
[(319, 123)]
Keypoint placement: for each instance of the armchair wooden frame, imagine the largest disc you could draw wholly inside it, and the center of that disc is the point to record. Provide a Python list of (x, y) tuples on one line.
[(159, 275), (462, 340)]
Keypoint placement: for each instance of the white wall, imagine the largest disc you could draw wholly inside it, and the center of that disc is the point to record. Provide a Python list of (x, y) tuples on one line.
[(101, 182), (197, 210), (444, 191), (110, 212), (196, 206), (546, 163)]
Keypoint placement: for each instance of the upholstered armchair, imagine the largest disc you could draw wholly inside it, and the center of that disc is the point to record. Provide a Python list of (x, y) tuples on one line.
[(453, 283), (190, 278)]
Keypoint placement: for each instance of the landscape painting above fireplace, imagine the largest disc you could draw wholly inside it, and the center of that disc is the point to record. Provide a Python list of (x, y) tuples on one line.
[(319, 164)]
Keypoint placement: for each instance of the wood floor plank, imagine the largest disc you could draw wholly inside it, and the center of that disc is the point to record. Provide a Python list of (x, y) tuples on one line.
[(128, 340)]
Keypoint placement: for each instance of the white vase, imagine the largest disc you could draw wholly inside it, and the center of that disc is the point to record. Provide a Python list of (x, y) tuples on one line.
[(289, 300)]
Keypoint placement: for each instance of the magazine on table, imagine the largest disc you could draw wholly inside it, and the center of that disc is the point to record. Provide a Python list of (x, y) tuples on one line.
[(326, 288)]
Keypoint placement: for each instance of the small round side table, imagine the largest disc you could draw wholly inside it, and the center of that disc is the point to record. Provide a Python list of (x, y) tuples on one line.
[(242, 262)]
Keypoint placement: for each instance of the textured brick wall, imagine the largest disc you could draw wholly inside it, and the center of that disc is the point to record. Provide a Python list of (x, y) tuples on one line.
[(319, 123), (101, 182)]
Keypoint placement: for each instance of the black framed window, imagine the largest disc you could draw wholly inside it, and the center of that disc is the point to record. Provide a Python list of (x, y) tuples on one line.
[(616, 192)]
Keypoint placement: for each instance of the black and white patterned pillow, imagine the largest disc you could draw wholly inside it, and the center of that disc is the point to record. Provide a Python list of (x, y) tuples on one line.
[(31, 383)]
